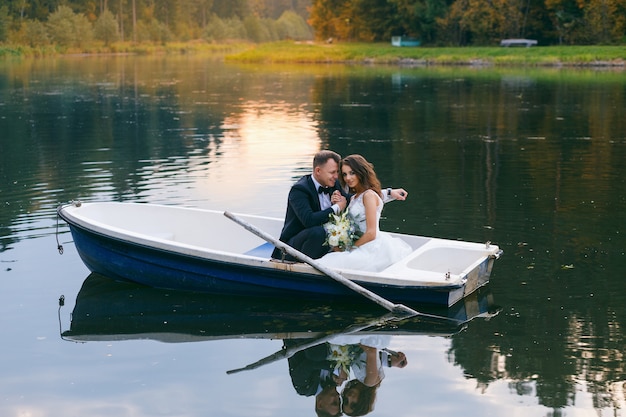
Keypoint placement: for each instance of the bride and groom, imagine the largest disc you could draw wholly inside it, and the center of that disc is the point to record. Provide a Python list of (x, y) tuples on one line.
[(336, 185)]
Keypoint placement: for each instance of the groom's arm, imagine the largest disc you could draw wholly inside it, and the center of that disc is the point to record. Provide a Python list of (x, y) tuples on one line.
[(303, 206)]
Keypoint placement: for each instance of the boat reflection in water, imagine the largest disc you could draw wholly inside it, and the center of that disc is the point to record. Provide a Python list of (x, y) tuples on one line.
[(332, 348)]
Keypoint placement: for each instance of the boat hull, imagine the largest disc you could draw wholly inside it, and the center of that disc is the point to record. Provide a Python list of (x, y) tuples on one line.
[(161, 269), (161, 262)]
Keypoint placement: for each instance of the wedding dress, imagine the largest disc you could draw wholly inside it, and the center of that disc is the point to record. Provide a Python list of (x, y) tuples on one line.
[(373, 256)]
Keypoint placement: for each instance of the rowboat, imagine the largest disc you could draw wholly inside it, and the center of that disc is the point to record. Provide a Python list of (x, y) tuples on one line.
[(111, 310), (193, 249)]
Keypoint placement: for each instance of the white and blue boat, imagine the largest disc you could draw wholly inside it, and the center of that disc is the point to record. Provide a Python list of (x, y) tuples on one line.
[(192, 249)]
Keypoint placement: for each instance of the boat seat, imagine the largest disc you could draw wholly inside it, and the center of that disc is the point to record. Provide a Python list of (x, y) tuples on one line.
[(262, 251)]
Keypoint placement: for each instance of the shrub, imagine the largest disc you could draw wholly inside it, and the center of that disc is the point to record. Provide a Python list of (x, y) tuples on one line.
[(258, 30), (291, 25), (5, 22), (105, 28), (34, 33), (153, 31), (219, 30), (69, 29)]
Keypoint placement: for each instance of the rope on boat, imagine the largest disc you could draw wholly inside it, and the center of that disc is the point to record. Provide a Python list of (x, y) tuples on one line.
[(59, 246), (76, 203)]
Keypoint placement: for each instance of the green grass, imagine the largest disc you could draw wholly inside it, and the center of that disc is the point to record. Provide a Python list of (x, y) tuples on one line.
[(374, 53), (96, 48), (292, 52), (25, 51)]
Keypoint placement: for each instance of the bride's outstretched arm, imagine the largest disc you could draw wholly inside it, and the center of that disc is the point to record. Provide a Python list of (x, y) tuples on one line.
[(391, 194)]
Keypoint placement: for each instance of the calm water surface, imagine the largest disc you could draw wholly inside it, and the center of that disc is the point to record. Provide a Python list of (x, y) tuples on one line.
[(530, 160)]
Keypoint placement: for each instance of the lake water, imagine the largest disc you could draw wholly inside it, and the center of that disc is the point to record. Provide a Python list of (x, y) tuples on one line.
[(531, 160)]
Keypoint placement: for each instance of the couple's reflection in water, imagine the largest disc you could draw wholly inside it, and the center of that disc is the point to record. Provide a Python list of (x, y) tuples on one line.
[(337, 353), (343, 374)]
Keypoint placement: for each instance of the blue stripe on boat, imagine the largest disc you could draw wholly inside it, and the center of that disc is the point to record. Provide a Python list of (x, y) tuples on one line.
[(262, 251)]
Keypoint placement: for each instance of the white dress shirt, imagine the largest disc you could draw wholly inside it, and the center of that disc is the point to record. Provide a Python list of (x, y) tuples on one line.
[(324, 198)]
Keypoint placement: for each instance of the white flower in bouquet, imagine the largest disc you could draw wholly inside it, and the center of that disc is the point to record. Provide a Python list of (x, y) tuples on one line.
[(343, 356), (333, 239), (341, 231)]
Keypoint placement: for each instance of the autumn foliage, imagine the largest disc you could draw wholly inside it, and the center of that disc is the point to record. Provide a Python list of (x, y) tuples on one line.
[(472, 22)]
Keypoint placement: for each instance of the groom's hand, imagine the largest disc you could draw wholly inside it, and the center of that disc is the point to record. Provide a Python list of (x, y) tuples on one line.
[(339, 199)]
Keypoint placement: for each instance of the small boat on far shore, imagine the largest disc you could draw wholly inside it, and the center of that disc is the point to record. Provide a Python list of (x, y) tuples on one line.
[(203, 250), (405, 41)]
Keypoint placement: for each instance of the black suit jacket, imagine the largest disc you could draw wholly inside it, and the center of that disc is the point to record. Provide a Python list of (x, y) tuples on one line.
[(303, 210), (305, 369)]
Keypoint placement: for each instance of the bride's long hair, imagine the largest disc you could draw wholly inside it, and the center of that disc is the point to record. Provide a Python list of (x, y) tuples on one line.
[(364, 171)]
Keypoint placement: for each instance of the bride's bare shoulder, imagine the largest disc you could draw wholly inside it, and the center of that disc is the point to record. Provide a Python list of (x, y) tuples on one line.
[(371, 195)]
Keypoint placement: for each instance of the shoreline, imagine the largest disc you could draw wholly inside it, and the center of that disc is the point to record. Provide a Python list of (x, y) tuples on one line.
[(285, 52), (609, 57), (418, 63)]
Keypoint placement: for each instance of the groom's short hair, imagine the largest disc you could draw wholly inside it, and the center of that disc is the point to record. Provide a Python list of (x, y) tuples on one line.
[(322, 157)]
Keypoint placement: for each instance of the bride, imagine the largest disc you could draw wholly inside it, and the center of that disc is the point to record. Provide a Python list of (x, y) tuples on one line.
[(374, 250)]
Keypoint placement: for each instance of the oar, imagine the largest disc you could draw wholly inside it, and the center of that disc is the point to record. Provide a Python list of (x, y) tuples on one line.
[(399, 309), (286, 353)]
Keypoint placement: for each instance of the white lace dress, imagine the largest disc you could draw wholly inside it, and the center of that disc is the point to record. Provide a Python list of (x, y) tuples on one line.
[(373, 256)]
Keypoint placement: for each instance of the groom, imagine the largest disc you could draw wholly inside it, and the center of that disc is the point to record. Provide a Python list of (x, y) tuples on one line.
[(311, 200)]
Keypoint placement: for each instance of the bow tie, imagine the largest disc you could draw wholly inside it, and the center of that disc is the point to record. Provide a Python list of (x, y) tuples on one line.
[(327, 190)]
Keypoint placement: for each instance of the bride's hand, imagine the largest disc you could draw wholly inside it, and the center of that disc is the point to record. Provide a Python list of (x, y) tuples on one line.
[(399, 194)]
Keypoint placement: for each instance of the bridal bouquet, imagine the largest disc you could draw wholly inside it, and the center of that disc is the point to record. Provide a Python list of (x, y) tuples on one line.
[(343, 356), (341, 231)]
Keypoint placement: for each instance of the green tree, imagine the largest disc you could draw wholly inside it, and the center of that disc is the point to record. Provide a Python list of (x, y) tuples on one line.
[(291, 25), (200, 12), (260, 30), (191, 17), (482, 20), (106, 28), (33, 33), (231, 8), (153, 31), (373, 20), (5, 22), (21, 10), (273, 9), (338, 19), (511, 18), (451, 28), (69, 29), (603, 21), (218, 29), (419, 18), (215, 29), (565, 16), (479, 22)]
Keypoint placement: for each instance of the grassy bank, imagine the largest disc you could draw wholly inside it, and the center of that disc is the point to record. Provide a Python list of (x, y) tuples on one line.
[(362, 53), (123, 48), (284, 52)]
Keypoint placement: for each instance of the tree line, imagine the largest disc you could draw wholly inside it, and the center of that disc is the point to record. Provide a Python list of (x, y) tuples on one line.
[(74, 23), (434, 22), (472, 22)]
